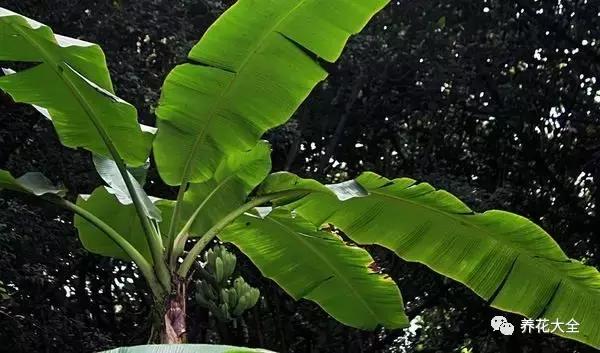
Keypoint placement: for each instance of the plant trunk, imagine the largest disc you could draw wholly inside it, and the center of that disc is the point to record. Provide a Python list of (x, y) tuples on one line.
[(173, 326)]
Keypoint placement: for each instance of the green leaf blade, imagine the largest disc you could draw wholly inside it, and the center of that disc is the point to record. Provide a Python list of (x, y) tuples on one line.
[(252, 75), (319, 266), (506, 259), (122, 218), (71, 82), (33, 183), (87, 57)]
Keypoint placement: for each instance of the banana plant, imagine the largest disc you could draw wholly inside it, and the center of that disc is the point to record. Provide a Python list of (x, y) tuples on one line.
[(249, 73)]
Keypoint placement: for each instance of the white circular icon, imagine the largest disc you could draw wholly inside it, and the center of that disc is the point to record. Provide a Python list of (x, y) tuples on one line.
[(507, 329), (499, 323)]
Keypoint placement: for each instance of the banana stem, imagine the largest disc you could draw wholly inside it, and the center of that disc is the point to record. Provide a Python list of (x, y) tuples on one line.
[(171, 235)]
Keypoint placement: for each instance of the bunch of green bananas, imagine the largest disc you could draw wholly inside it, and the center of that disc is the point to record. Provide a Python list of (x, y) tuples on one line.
[(240, 297), (220, 263), (224, 298)]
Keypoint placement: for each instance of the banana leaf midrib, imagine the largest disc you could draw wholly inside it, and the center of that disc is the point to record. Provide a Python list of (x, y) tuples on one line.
[(49, 58), (221, 99), (543, 261), (327, 262)]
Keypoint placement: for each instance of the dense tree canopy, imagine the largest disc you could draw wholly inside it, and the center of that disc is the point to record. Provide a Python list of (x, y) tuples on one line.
[(497, 102)]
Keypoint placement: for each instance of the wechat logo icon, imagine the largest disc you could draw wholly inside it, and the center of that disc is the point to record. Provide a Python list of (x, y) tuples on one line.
[(499, 323)]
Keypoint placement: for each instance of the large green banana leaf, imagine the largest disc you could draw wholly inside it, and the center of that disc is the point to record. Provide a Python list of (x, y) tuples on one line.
[(33, 183), (319, 266), (505, 258), (70, 82), (185, 348), (122, 218), (248, 73), (109, 171)]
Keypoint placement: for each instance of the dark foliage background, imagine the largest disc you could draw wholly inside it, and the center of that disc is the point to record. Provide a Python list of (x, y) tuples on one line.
[(495, 101)]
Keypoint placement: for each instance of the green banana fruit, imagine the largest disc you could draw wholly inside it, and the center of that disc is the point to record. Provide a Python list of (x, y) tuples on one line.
[(229, 262), (224, 296), (219, 274), (253, 296), (241, 306), (224, 311), (233, 298)]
